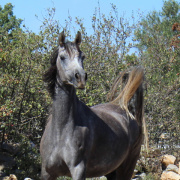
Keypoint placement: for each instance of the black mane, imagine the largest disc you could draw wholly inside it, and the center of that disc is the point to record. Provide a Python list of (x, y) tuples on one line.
[(50, 75)]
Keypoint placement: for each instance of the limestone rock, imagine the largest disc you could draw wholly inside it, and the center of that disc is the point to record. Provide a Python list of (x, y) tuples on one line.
[(143, 175), (134, 173), (172, 167), (168, 159), (11, 177), (102, 177), (169, 175)]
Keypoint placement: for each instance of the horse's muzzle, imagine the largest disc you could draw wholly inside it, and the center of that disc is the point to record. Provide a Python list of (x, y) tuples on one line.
[(81, 79)]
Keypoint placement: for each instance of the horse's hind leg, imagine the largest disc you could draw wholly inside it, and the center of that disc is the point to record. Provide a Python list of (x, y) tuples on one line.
[(125, 171)]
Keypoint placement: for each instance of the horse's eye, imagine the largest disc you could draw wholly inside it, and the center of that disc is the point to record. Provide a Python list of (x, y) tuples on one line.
[(62, 58)]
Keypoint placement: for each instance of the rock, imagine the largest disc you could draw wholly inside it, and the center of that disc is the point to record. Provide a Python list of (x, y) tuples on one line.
[(165, 136), (134, 173), (6, 178), (102, 177), (2, 174), (143, 175), (172, 167), (167, 159), (1, 167), (139, 176), (169, 175), (1, 170), (11, 177)]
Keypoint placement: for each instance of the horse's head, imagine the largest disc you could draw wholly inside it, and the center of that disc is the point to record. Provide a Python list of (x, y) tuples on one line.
[(69, 62)]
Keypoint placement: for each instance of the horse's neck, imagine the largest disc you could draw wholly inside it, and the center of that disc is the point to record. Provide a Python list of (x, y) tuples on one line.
[(64, 105)]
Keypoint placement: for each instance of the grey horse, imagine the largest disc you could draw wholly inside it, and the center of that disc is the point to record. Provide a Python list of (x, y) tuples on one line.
[(80, 141)]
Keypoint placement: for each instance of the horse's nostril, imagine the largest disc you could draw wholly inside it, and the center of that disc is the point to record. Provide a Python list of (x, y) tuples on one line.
[(77, 76)]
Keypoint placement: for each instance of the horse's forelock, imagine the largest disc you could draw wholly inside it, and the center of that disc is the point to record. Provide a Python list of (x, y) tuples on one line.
[(71, 47)]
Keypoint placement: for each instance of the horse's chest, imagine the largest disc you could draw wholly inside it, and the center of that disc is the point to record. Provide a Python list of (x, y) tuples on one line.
[(66, 146)]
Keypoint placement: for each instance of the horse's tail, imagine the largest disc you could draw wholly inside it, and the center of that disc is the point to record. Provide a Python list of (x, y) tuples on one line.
[(130, 97)]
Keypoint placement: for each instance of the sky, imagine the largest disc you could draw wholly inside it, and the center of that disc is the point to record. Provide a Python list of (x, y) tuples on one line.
[(84, 9)]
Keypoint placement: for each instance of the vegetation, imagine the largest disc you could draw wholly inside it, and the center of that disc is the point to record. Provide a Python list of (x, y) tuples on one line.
[(160, 56), (24, 57)]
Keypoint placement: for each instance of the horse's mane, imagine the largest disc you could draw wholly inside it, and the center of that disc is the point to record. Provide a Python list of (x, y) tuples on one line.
[(50, 75)]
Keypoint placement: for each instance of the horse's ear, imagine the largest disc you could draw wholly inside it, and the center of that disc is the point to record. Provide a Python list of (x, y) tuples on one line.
[(78, 38), (62, 39)]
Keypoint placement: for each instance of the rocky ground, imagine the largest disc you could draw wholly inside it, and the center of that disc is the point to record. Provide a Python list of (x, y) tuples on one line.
[(154, 165)]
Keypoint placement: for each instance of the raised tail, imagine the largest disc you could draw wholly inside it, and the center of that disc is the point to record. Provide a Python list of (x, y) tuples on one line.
[(130, 97)]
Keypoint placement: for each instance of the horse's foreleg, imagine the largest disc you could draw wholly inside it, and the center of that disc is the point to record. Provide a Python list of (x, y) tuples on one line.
[(78, 171)]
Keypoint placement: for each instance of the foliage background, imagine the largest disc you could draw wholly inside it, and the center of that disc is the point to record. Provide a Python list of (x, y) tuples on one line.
[(24, 57)]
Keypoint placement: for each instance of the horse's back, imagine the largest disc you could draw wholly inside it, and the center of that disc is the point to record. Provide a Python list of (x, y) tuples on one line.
[(113, 116)]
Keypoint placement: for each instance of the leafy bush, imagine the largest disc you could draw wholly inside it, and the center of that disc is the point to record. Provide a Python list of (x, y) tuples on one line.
[(160, 58)]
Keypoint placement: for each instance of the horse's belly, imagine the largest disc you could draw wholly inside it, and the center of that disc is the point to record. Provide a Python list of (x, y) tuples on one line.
[(102, 168), (106, 162)]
